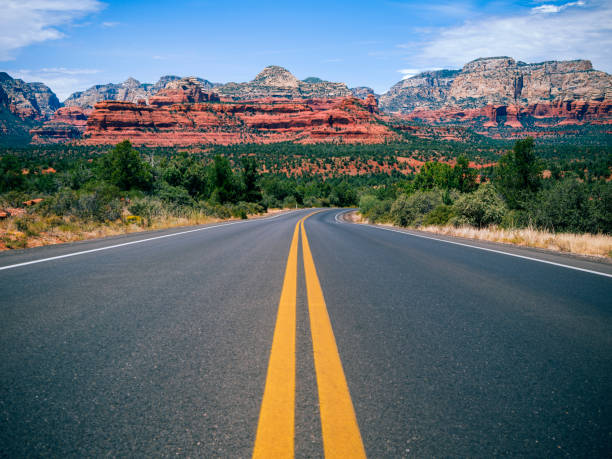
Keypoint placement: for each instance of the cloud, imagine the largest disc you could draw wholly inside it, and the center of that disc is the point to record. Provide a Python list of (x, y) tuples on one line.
[(24, 22), (110, 24), (548, 9), (62, 81), (573, 30)]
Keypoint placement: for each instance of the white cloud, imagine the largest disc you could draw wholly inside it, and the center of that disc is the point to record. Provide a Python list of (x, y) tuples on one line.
[(576, 30), (109, 24), (65, 71), (548, 9), (407, 73), (24, 22), (62, 81)]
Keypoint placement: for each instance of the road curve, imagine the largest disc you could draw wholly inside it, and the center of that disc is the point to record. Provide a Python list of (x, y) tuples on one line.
[(160, 345)]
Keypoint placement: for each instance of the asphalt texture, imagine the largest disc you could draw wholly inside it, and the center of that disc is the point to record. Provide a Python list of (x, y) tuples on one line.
[(160, 348)]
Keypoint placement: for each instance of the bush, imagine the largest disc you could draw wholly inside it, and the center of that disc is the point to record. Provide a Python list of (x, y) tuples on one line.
[(176, 195), (374, 209), (441, 215), (569, 205), (409, 210), (482, 208)]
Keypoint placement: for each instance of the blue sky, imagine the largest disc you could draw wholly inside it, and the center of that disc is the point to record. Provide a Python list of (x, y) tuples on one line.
[(73, 44)]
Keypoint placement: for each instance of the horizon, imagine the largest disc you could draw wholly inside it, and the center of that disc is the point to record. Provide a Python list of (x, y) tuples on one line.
[(73, 45)]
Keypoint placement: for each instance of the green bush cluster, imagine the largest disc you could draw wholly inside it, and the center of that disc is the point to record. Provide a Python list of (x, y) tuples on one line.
[(518, 196)]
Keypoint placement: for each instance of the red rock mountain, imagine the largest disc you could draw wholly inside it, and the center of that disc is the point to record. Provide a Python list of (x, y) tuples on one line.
[(130, 90), (185, 114), (498, 91), (66, 124)]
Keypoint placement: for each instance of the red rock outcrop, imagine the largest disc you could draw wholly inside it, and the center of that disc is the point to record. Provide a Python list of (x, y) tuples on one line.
[(66, 124), (186, 115), (543, 114)]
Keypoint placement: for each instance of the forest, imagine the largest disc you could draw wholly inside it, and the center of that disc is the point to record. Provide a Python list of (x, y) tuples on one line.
[(556, 187)]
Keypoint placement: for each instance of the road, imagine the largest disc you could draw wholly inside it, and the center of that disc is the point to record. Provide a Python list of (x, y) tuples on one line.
[(374, 342)]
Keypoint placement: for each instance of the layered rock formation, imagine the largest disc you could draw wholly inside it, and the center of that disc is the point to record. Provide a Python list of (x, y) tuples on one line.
[(361, 92), (130, 90), (33, 101), (277, 82), (498, 81), (187, 115), (500, 92), (66, 124)]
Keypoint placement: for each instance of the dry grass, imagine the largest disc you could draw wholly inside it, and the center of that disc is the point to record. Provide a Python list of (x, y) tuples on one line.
[(34, 230), (598, 245)]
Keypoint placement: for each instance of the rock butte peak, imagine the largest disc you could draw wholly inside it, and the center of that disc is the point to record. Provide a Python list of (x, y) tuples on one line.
[(185, 83), (276, 76), (131, 83)]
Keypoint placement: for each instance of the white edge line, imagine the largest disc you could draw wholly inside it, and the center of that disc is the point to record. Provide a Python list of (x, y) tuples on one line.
[(74, 254), (492, 250)]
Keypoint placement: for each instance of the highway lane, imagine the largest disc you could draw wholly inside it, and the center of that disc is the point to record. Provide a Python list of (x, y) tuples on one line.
[(151, 349), (453, 351), (162, 347)]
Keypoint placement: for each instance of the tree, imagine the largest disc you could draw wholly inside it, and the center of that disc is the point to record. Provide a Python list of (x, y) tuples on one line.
[(249, 177), (124, 168), (518, 174), (223, 181), (465, 176), (11, 177)]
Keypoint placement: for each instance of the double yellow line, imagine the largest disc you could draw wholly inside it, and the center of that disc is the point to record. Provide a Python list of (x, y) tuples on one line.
[(276, 427)]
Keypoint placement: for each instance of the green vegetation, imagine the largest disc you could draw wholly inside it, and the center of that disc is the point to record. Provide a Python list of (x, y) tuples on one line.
[(517, 197), (545, 186)]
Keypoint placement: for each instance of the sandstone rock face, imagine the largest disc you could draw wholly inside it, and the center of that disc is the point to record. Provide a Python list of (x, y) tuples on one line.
[(361, 92), (279, 83), (196, 117), (66, 124), (427, 90), (499, 81), (33, 101), (130, 90)]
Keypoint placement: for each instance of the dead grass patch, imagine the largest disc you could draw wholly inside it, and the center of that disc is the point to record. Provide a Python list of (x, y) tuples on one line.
[(599, 245)]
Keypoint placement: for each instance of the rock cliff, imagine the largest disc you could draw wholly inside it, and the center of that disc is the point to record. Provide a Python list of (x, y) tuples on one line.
[(130, 90), (66, 124), (33, 101), (185, 114), (277, 82), (499, 81)]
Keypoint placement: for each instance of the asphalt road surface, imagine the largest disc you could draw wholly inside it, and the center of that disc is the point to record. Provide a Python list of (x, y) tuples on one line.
[(258, 338)]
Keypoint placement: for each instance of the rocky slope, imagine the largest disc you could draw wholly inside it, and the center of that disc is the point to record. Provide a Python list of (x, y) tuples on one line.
[(130, 90), (499, 81), (361, 92), (498, 92), (33, 101), (66, 124), (277, 82), (185, 114)]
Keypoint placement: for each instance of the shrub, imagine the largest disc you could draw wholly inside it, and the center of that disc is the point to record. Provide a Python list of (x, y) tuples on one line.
[(375, 210), (482, 208), (441, 215), (569, 205), (409, 210)]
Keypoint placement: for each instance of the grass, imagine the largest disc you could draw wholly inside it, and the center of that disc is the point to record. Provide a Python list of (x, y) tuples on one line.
[(597, 245), (34, 230)]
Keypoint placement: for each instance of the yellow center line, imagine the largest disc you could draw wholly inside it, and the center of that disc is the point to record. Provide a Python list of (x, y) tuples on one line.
[(341, 436), (276, 427), (275, 431)]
